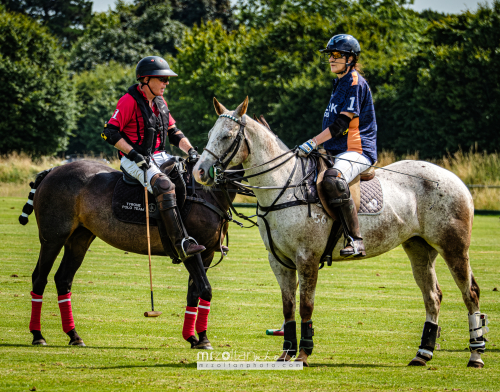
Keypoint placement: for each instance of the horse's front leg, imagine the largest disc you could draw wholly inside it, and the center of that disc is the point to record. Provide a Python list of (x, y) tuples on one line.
[(198, 303), (307, 268), (287, 280)]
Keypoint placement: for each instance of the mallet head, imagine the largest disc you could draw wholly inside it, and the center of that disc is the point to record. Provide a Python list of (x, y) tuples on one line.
[(152, 314)]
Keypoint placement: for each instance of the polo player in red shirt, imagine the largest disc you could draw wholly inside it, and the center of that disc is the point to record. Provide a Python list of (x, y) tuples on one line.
[(139, 129)]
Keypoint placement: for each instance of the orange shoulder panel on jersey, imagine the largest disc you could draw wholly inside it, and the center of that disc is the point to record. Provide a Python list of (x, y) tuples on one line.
[(354, 137), (354, 79)]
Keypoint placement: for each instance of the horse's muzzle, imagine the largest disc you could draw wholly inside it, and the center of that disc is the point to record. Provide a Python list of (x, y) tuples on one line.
[(202, 172)]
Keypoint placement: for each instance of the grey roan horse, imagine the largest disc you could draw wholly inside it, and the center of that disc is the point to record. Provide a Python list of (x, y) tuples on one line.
[(427, 221), (73, 205)]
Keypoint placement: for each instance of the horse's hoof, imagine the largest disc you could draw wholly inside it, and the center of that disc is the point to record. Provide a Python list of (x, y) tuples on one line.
[(475, 364), (302, 358), (417, 362), (39, 342), (304, 362), (203, 346), (78, 342)]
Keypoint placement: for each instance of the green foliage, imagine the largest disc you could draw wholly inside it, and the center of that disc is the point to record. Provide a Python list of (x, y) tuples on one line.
[(97, 93), (37, 101), (273, 58), (66, 19), (447, 95), (123, 37)]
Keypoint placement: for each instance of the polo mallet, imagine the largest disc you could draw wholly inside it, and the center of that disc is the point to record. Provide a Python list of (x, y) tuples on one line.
[(146, 207)]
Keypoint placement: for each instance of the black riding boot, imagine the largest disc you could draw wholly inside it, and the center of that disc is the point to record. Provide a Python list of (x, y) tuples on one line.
[(339, 198), (349, 217), (167, 205), (185, 248)]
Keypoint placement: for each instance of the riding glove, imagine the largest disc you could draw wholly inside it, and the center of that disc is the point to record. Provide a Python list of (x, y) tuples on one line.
[(306, 148), (193, 155), (139, 159)]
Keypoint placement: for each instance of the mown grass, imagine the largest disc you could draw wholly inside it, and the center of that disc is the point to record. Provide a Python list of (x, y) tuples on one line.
[(368, 321), (17, 170)]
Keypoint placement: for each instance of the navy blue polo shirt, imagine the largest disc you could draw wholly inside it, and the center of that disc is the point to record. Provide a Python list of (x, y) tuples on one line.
[(352, 94)]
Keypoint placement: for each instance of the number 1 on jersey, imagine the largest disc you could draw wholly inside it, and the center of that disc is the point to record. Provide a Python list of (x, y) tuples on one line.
[(351, 106)]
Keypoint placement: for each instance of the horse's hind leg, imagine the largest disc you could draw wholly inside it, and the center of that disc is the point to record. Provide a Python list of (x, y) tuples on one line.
[(287, 279), (48, 254), (423, 260), (456, 255), (74, 252)]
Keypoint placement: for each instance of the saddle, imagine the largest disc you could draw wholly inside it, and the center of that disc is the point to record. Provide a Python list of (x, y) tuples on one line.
[(128, 199), (354, 185)]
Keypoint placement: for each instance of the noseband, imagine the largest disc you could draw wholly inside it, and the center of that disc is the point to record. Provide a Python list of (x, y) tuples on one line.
[(217, 170)]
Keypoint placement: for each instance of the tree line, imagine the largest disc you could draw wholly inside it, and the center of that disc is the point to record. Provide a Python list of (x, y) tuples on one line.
[(433, 76)]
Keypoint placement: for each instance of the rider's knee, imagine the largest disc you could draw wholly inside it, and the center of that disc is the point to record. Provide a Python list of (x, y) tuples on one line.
[(162, 184), (334, 185)]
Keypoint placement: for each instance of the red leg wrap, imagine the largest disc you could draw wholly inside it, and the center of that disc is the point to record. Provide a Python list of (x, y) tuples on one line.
[(36, 311), (66, 313), (189, 320), (202, 320)]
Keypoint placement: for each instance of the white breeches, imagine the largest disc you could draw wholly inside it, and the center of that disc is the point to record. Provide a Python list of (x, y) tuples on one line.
[(154, 167)]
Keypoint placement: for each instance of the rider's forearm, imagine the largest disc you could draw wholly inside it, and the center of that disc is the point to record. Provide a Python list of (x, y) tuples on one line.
[(184, 145), (123, 146), (322, 137)]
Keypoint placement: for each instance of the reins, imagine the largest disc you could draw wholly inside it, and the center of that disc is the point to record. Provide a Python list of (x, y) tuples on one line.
[(220, 178)]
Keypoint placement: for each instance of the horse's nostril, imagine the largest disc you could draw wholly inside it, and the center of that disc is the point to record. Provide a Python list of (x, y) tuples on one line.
[(202, 172)]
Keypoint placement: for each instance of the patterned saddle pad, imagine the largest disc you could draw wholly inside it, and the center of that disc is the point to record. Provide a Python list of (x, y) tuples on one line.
[(128, 204), (371, 197)]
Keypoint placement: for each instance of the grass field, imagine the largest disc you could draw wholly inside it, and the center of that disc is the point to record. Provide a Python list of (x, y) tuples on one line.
[(368, 321)]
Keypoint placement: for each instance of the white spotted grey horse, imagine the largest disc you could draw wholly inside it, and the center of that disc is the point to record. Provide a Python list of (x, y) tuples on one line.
[(426, 219)]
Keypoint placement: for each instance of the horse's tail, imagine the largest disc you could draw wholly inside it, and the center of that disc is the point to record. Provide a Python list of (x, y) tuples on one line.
[(28, 207)]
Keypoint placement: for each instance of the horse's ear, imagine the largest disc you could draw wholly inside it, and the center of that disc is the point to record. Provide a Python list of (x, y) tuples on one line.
[(219, 108), (242, 109)]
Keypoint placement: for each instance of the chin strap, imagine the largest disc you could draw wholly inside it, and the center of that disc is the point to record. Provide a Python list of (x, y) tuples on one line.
[(147, 84)]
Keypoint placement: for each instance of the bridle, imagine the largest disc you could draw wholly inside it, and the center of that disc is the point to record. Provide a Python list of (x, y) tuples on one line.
[(220, 166)]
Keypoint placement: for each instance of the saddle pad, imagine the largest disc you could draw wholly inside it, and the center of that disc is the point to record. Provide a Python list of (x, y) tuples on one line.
[(128, 204), (372, 198)]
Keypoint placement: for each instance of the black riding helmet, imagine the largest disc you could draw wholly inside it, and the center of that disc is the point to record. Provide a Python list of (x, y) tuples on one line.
[(345, 44), (153, 66)]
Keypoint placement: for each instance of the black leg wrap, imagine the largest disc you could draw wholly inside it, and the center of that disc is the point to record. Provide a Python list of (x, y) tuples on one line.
[(306, 335), (428, 342), (290, 338)]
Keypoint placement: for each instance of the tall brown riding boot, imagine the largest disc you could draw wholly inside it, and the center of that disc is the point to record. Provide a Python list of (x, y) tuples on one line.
[(349, 217), (184, 245)]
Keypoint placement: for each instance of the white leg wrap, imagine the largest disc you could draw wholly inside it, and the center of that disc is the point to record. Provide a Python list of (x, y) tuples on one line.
[(478, 325), (477, 328)]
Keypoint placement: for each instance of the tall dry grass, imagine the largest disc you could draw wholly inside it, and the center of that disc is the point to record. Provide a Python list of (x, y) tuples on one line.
[(17, 170)]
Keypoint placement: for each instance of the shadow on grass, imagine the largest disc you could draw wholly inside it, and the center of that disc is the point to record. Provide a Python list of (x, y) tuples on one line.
[(49, 346), (352, 365), (157, 365), (488, 350)]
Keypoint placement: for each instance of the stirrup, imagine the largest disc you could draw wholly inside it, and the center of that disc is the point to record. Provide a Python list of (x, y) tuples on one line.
[(182, 245), (350, 242)]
